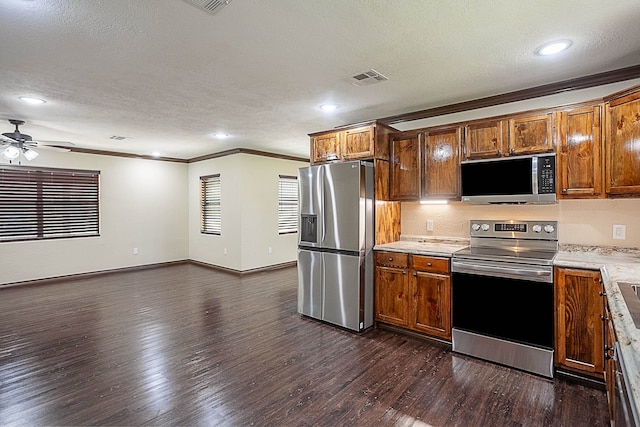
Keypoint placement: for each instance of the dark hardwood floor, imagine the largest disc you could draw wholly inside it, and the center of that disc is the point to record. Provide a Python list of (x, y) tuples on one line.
[(187, 345)]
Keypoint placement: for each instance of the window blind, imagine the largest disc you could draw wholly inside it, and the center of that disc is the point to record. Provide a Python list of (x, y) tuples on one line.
[(47, 203), (210, 204), (287, 204)]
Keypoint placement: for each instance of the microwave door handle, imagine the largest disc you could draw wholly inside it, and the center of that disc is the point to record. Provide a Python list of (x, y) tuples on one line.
[(534, 175), (520, 271)]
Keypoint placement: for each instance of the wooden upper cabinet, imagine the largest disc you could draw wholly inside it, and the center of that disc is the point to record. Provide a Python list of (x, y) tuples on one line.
[(366, 142), (325, 147), (358, 143), (531, 134), (580, 165), (404, 165), (485, 139), (441, 163), (623, 144)]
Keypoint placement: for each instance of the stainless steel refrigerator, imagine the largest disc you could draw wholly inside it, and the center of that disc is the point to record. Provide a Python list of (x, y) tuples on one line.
[(335, 243)]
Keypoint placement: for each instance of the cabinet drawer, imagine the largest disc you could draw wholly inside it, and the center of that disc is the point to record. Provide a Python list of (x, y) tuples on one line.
[(392, 259), (432, 264)]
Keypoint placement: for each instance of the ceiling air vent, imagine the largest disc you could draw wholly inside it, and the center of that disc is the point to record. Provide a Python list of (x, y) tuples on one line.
[(211, 6), (368, 78)]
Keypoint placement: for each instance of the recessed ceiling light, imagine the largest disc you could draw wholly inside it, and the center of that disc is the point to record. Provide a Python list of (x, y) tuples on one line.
[(34, 101), (554, 47), (156, 154), (220, 135), (328, 107)]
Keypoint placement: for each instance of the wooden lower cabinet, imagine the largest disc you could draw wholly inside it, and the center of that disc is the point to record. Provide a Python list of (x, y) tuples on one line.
[(579, 326), (392, 295), (432, 314), (414, 292)]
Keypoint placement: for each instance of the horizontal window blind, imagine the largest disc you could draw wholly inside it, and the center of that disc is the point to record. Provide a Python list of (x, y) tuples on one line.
[(210, 204), (38, 203), (287, 204)]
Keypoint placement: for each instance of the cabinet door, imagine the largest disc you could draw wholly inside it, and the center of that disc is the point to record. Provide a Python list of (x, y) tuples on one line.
[(325, 147), (432, 311), (358, 143), (484, 139), (580, 160), (531, 134), (623, 146), (392, 295), (404, 167), (579, 326), (441, 163)]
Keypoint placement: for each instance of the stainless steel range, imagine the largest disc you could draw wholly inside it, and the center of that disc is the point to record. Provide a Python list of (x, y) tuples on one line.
[(502, 300)]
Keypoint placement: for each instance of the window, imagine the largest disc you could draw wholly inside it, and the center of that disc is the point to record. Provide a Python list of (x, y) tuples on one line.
[(47, 203), (211, 209), (287, 204)]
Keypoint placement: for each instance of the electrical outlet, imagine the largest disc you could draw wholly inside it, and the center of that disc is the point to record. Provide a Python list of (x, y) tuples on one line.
[(135, 251), (225, 251), (269, 250), (429, 225), (619, 231)]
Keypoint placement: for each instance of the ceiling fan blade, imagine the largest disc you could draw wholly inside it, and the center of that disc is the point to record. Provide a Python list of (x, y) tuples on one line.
[(7, 140)]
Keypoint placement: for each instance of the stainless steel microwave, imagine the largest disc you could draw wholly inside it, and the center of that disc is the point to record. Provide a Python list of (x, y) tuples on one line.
[(518, 179)]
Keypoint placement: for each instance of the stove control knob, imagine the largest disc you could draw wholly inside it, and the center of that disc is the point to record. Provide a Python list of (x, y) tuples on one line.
[(549, 228), (475, 227), (485, 227), (537, 228)]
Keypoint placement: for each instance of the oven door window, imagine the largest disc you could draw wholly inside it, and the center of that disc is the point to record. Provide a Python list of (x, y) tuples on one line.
[(514, 310)]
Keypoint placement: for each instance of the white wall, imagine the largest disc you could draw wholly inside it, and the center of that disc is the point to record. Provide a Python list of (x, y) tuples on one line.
[(143, 204), (249, 213)]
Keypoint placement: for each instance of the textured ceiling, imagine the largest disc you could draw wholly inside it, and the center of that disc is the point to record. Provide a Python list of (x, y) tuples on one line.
[(167, 75)]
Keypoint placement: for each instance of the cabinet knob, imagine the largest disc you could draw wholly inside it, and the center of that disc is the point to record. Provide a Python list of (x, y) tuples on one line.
[(390, 259), (415, 274), (564, 191), (404, 271), (428, 264), (602, 294), (512, 150)]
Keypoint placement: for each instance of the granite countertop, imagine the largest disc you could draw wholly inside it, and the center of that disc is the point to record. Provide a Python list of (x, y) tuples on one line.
[(421, 245), (615, 264)]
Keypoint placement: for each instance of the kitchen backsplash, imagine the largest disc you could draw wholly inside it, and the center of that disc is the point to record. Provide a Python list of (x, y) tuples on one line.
[(582, 222)]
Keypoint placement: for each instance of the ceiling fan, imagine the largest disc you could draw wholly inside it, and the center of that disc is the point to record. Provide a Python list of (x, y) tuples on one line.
[(13, 144)]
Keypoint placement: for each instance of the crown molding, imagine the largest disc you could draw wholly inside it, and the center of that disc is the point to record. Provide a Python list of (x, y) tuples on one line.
[(585, 82)]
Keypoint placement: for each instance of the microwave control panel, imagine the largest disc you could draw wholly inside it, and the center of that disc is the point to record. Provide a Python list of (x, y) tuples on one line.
[(546, 175)]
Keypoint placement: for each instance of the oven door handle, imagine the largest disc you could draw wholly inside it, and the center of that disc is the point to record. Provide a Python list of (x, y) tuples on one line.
[(470, 268)]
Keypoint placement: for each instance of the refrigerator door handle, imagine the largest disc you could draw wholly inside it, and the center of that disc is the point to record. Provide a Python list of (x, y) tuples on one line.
[(323, 221)]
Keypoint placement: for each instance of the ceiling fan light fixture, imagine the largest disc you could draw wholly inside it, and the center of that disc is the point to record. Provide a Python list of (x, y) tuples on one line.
[(220, 135), (31, 100), (11, 152), (553, 47), (30, 154)]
